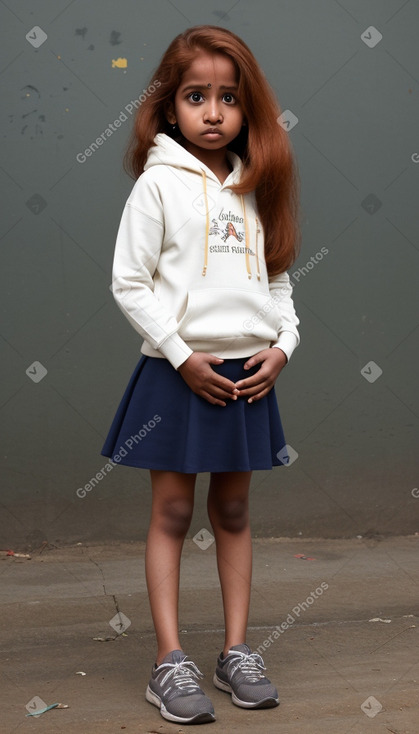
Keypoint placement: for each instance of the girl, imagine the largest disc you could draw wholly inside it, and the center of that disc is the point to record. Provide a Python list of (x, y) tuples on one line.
[(203, 246)]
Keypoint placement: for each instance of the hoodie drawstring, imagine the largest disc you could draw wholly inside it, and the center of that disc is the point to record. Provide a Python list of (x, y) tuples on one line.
[(246, 240), (204, 271), (246, 234), (246, 249), (256, 248)]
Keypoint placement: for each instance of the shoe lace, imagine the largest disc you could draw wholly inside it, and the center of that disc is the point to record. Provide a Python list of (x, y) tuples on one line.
[(182, 675), (250, 664)]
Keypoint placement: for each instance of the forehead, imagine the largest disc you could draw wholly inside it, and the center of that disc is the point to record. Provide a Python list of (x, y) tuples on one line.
[(210, 68)]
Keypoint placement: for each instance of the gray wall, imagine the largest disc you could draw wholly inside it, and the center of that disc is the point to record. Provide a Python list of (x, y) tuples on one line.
[(357, 148)]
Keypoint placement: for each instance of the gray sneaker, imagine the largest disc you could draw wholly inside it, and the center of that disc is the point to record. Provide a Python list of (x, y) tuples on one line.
[(240, 673), (174, 690)]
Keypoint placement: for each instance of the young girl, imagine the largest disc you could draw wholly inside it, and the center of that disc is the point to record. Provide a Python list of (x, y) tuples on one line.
[(203, 246)]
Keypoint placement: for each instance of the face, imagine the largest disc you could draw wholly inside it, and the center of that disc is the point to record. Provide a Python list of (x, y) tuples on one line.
[(206, 107)]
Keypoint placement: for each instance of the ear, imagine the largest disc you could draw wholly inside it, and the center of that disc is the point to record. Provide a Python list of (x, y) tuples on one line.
[(169, 111)]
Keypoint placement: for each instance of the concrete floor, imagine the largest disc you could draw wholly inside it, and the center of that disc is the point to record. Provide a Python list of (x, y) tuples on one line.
[(337, 670)]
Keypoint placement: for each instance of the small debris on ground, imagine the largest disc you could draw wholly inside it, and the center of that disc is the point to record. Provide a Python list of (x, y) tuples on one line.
[(48, 708), (16, 555)]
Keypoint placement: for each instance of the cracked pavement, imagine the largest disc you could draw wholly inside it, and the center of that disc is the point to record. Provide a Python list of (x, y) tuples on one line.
[(337, 670)]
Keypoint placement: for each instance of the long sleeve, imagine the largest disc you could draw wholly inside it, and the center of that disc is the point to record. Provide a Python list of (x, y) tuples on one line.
[(137, 251), (280, 289)]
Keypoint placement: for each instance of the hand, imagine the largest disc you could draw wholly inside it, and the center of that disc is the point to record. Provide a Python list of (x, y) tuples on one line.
[(204, 381), (273, 360)]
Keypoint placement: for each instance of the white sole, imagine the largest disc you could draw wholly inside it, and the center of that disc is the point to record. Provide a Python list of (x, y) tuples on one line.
[(156, 701), (264, 704)]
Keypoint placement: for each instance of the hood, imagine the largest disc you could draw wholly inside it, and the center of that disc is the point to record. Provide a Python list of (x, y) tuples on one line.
[(168, 152)]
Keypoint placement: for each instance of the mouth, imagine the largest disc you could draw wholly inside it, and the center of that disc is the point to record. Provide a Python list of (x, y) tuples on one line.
[(211, 132)]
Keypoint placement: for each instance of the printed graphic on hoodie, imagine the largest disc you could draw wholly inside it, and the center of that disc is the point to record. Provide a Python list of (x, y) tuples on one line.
[(218, 229)]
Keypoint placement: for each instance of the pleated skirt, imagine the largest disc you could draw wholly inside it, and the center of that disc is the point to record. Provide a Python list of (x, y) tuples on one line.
[(162, 424)]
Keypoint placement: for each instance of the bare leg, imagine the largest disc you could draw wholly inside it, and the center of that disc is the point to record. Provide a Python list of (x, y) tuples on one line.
[(171, 513), (228, 512)]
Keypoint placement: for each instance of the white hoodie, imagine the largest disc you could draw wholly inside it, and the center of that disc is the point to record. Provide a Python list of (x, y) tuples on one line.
[(189, 271)]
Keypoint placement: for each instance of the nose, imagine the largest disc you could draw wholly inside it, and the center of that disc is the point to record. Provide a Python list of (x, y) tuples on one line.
[(212, 110)]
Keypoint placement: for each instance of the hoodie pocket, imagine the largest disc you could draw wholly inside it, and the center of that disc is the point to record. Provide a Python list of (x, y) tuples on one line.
[(222, 313)]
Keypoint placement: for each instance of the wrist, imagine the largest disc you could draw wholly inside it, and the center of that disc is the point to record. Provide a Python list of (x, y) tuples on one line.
[(282, 353)]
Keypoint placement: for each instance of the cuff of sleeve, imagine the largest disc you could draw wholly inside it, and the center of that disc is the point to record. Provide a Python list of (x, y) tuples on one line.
[(175, 350), (287, 341)]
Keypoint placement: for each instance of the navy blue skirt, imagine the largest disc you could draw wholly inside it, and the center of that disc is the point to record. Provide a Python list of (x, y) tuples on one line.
[(162, 424)]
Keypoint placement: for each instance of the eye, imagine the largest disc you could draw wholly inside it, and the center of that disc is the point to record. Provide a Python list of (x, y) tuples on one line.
[(194, 95), (229, 98)]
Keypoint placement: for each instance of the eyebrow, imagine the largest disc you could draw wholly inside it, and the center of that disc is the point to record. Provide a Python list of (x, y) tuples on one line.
[(205, 86)]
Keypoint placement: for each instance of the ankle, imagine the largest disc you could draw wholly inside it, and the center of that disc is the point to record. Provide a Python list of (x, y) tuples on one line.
[(162, 654), (227, 648)]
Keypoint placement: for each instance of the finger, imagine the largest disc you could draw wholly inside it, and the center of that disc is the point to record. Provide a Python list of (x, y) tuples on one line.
[(255, 379), (224, 384), (259, 395), (211, 399), (219, 392), (256, 389), (256, 359), (221, 381), (212, 359)]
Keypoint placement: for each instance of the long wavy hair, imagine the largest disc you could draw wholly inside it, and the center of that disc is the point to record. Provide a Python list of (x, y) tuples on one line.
[(269, 167)]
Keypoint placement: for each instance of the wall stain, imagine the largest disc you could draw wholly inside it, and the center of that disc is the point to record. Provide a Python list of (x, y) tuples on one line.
[(30, 91), (119, 63), (30, 87), (114, 39), (82, 32)]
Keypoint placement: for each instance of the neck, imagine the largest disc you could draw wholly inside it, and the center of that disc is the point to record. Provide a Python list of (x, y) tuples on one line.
[(216, 160)]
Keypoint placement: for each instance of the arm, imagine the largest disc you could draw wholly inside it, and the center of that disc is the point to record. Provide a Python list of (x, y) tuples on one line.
[(280, 289), (274, 359), (137, 251)]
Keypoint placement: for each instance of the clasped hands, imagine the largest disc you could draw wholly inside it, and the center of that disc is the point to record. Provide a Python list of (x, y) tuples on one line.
[(206, 382)]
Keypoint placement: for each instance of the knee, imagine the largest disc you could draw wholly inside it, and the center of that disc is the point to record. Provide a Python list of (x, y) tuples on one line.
[(231, 515), (176, 516)]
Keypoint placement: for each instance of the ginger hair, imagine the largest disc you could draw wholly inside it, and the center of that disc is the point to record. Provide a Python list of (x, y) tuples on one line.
[(269, 167)]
